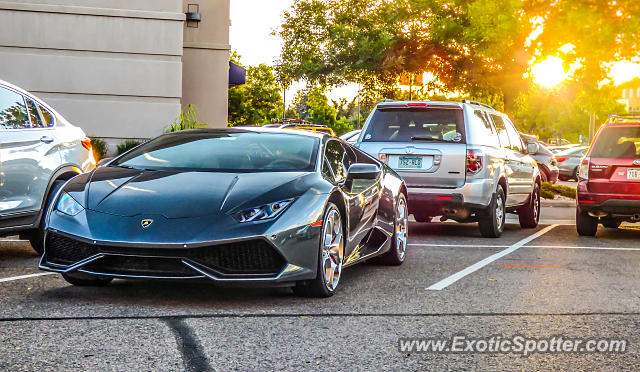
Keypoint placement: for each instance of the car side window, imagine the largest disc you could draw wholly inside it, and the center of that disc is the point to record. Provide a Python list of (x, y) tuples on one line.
[(47, 117), (335, 159), (503, 135), (13, 110), (34, 114), (514, 137), (483, 131)]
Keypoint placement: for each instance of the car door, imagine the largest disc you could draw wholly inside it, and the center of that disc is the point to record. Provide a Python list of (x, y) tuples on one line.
[(512, 161), (335, 166), (28, 153), (524, 165)]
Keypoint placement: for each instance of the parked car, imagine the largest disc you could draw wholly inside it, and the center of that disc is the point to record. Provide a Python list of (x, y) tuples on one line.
[(557, 149), (609, 185), (569, 162), (39, 151), (351, 137), (288, 208), (547, 162), (301, 124), (462, 161)]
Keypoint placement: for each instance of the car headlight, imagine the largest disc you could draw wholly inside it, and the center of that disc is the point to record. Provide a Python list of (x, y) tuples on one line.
[(68, 205), (263, 212)]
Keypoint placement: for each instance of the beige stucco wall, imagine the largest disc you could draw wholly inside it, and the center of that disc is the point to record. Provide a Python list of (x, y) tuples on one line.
[(206, 62), (112, 67)]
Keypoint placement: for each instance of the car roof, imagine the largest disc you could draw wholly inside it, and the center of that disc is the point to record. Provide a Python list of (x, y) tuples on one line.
[(470, 104)]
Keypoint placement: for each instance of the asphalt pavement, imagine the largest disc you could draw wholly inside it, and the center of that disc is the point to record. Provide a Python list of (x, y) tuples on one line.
[(535, 283)]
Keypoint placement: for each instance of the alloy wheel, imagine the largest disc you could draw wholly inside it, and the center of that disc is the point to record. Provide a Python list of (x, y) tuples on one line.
[(402, 226), (332, 249), (499, 212)]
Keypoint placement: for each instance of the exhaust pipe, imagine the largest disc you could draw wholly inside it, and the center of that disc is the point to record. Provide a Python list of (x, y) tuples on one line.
[(635, 217)]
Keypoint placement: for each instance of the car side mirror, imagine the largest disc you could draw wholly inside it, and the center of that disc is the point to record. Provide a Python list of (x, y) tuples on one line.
[(360, 174), (104, 161), (532, 148)]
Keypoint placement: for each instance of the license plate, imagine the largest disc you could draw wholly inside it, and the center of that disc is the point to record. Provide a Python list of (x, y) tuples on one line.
[(411, 162), (633, 174)]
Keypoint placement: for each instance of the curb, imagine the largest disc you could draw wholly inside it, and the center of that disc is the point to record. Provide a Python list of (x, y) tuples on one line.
[(557, 203)]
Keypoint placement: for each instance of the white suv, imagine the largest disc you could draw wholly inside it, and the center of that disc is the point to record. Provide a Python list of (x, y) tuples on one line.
[(39, 150), (462, 161)]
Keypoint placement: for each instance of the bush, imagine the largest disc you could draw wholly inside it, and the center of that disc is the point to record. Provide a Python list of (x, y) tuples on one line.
[(188, 119), (99, 148), (553, 190), (127, 145)]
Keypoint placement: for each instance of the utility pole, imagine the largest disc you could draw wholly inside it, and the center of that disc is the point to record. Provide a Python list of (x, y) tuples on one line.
[(284, 102)]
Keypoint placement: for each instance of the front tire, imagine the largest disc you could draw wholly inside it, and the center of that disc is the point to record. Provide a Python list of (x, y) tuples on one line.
[(396, 255), (492, 224), (529, 215), (585, 224), (330, 258), (86, 280)]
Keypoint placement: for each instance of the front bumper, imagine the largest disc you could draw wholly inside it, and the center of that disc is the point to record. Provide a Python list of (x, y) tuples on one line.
[(252, 259)]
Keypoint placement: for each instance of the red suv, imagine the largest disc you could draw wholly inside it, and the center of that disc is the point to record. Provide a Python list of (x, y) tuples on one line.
[(609, 185)]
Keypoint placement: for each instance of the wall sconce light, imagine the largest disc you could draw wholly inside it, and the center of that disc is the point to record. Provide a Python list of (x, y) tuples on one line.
[(193, 15)]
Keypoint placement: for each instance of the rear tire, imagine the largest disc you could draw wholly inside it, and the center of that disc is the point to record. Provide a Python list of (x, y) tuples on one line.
[(86, 280), (529, 215), (396, 255), (36, 237), (576, 174), (585, 224), (492, 224), (544, 176), (330, 258)]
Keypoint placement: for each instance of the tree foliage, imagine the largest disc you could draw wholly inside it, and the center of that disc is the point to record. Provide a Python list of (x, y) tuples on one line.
[(258, 101), (478, 47), (313, 105)]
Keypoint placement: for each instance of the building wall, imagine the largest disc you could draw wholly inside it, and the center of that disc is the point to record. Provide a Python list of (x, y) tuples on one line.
[(112, 67), (631, 97), (206, 61)]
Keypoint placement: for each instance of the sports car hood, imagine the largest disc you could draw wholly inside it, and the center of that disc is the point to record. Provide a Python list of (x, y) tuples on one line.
[(129, 192)]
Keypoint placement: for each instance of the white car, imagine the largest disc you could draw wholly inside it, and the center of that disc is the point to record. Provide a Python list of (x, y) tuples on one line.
[(39, 151)]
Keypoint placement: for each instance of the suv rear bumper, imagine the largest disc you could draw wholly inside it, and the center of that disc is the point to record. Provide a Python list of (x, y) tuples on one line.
[(613, 205), (473, 195)]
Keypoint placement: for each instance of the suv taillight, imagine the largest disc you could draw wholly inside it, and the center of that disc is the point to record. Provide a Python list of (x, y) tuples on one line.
[(474, 161), (584, 169)]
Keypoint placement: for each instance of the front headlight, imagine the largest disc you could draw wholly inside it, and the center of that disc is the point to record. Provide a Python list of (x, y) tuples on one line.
[(263, 212), (68, 205)]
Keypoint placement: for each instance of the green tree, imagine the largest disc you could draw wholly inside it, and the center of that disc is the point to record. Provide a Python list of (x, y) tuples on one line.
[(478, 47), (313, 105), (258, 101)]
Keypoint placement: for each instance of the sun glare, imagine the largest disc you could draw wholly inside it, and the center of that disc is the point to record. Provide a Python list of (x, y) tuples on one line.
[(549, 72)]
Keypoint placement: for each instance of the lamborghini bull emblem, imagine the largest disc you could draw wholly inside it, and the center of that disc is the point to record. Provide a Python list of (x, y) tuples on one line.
[(146, 223)]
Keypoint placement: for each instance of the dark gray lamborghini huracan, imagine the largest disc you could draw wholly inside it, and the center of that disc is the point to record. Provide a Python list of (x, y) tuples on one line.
[(231, 205)]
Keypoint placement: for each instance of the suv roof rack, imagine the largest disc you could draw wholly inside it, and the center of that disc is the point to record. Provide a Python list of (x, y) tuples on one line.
[(622, 118), (476, 103)]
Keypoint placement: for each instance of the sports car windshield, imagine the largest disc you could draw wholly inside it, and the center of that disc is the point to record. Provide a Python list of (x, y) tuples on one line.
[(224, 152)]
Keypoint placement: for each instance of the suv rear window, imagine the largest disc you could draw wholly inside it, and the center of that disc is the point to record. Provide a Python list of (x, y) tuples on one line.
[(406, 125), (618, 142)]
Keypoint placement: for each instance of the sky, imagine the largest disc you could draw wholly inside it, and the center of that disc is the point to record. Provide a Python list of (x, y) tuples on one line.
[(253, 21)]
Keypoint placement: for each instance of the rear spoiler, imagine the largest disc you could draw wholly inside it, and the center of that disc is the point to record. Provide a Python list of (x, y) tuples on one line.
[(417, 105)]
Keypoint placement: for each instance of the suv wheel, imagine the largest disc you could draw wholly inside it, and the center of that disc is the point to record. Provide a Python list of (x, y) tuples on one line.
[(585, 224), (529, 215), (492, 224)]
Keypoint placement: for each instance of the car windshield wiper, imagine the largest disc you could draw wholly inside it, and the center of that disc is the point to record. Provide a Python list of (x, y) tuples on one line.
[(429, 139)]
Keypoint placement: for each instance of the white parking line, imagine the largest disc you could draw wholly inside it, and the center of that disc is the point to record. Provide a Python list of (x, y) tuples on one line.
[(527, 246), (594, 248), (479, 265), (2, 280), (457, 245)]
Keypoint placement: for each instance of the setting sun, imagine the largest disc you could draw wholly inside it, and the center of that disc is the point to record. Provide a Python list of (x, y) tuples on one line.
[(549, 72)]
